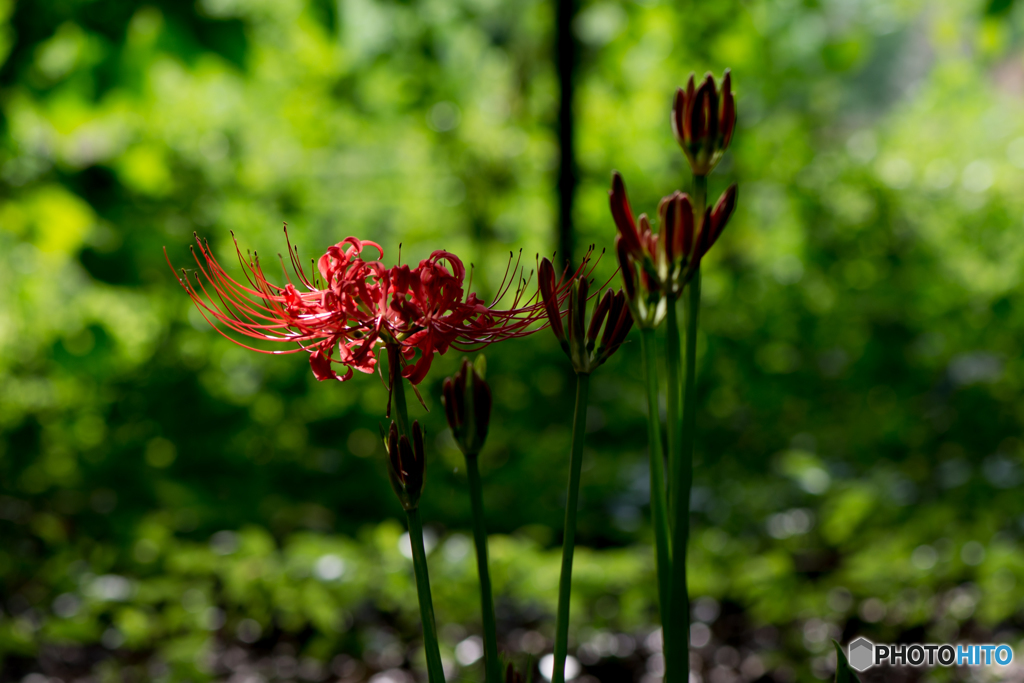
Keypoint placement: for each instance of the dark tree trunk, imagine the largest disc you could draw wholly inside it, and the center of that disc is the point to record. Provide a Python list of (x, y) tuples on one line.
[(566, 50)]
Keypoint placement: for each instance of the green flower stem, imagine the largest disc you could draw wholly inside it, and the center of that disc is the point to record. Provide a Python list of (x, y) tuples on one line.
[(659, 513), (491, 663), (677, 636), (680, 607), (700, 195), (579, 424), (673, 355), (399, 404), (435, 672)]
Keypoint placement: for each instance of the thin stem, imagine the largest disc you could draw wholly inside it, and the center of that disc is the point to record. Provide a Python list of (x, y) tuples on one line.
[(663, 556), (700, 194), (435, 672), (398, 397), (681, 528), (491, 663), (579, 424), (675, 414)]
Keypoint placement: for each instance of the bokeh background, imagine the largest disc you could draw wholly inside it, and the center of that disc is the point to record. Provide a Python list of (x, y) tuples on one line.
[(176, 508)]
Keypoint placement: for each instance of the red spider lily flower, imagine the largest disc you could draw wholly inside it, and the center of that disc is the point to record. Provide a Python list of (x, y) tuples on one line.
[(429, 312), (703, 121), (336, 318), (581, 342), (660, 265), (354, 306)]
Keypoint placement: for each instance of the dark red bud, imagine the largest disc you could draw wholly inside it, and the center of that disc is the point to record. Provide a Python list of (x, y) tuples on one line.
[(623, 323), (617, 303), (546, 280), (405, 466), (578, 310), (699, 111), (678, 116), (469, 398), (600, 311), (663, 207), (618, 324), (688, 110), (626, 266), (720, 215), (685, 231), (669, 225), (651, 243), (727, 120), (622, 213), (711, 110), (645, 229)]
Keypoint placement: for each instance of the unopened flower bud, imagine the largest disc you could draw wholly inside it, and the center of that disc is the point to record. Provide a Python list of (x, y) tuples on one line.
[(623, 215), (549, 296), (626, 266), (703, 121), (406, 464), (611, 314), (720, 215), (576, 322), (467, 406)]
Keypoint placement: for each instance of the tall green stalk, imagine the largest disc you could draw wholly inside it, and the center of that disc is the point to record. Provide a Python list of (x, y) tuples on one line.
[(579, 424), (659, 512), (491, 663), (680, 606), (677, 637), (435, 672), (673, 355)]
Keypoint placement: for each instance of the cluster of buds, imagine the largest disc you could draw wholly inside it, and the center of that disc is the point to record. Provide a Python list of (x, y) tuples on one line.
[(587, 346), (703, 120), (467, 406), (406, 464), (657, 266)]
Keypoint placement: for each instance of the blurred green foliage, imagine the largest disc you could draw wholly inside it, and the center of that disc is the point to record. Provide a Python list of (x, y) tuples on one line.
[(174, 507)]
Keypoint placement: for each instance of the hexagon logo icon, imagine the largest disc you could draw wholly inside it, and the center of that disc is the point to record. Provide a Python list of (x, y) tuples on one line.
[(861, 654)]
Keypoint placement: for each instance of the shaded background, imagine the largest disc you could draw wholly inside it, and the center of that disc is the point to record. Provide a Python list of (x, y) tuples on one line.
[(175, 508)]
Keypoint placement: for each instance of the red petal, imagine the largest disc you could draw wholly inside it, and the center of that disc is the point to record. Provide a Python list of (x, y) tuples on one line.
[(321, 366)]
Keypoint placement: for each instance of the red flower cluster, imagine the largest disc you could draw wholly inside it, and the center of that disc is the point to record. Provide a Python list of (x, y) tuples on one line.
[(356, 305)]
